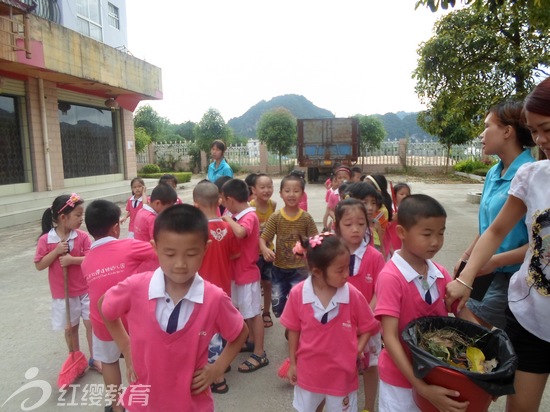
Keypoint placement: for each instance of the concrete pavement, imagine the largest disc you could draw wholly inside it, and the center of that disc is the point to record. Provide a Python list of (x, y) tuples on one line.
[(31, 354)]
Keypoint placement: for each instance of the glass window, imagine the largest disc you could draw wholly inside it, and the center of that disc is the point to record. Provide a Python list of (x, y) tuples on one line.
[(89, 18), (114, 19), (88, 140), (12, 169)]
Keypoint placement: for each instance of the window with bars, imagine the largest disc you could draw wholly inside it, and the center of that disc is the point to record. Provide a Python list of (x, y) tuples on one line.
[(114, 17), (89, 18), (88, 140), (12, 164)]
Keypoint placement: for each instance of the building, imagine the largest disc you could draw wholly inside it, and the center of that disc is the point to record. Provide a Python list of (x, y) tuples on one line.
[(68, 89)]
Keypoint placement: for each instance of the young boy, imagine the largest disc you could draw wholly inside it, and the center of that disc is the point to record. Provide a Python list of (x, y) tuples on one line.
[(409, 287), (245, 288), (172, 181), (288, 224), (172, 315), (356, 174), (216, 265), (109, 262), (162, 197)]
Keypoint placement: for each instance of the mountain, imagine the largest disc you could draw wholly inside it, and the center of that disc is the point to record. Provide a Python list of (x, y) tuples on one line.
[(299, 106), (401, 125)]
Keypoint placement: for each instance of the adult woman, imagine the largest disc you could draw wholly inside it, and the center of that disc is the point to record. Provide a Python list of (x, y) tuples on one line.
[(529, 291), (505, 136), (219, 167)]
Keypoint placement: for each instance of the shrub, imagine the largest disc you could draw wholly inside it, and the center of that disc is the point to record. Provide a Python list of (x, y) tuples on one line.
[(476, 167), (183, 177), (235, 167), (150, 168)]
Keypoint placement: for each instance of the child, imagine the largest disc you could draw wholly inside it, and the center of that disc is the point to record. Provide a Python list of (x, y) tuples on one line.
[(409, 287), (162, 197), (288, 224), (250, 180), (303, 200), (245, 288), (135, 203), (527, 311), (365, 264), (220, 181), (62, 247), (341, 175), (172, 314), (216, 265), (400, 191), (356, 174), (172, 181), (385, 214), (109, 262), (265, 207), (329, 323)]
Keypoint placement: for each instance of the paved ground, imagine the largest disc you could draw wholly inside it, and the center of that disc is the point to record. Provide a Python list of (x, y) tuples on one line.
[(31, 354)]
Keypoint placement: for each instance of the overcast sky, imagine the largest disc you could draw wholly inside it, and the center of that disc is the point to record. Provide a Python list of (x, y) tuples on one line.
[(347, 56)]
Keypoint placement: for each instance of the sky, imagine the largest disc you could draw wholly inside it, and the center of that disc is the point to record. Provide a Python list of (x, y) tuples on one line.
[(347, 56)]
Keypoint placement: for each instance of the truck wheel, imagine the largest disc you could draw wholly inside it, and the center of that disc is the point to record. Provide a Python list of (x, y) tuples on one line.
[(312, 174)]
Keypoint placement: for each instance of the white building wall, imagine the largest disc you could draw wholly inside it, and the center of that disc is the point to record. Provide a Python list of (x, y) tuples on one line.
[(117, 38)]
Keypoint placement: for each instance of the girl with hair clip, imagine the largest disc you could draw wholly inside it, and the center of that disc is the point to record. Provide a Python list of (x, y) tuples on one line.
[(529, 289), (62, 246), (365, 264), (329, 323)]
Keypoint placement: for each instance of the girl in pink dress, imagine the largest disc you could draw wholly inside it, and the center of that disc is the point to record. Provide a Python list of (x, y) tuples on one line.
[(329, 323), (135, 203)]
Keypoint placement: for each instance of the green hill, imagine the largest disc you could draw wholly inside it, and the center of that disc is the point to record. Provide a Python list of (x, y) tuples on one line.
[(299, 106)]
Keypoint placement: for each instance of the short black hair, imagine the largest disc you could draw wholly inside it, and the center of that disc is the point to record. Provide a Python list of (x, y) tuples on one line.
[(165, 193), (181, 219), (413, 208), (220, 181), (166, 178), (293, 177), (237, 189), (356, 169), (206, 194), (101, 215), (361, 190)]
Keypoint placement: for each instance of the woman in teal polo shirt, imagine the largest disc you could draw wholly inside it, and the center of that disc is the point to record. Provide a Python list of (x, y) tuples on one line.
[(505, 136), (219, 167)]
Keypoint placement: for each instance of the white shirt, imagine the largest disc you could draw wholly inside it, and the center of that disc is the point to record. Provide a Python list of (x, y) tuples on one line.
[(359, 253), (309, 296), (412, 275), (53, 237), (150, 209), (165, 305)]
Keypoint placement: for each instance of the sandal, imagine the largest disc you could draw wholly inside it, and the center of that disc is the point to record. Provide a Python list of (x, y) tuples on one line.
[(247, 347), (95, 364), (248, 366), (268, 322), (220, 387)]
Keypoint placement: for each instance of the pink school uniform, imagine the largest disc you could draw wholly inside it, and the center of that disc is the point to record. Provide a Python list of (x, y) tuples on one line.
[(109, 262), (145, 223), (163, 362), (327, 353), (303, 202), (365, 275), (401, 299), (245, 269), (133, 205), (79, 245)]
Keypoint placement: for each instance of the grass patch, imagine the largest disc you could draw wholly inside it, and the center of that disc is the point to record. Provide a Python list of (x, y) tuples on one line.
[(183, 177)]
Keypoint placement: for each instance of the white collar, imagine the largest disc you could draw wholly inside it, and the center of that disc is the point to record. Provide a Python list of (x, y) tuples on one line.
[(410, 274), (53, 237), (157, 287), (102, 241), (238, 216), (150, 209), (360, 251), (308, 295)]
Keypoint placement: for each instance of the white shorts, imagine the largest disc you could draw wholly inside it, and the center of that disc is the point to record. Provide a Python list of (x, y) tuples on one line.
[(395, 399), (247, 298), (105, 351), (79, 308), (373, 349), (306, 401)]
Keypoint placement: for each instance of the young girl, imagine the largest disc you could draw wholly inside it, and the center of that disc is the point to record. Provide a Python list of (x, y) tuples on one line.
[(262, 190), (135, 202), (400, 192), (303, 200), (341, 175), (62, 245), (365, 264), (529, 289), (384, 215), (329, 324)]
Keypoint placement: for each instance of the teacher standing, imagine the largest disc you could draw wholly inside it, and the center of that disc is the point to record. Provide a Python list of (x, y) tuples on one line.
[(219, 167)]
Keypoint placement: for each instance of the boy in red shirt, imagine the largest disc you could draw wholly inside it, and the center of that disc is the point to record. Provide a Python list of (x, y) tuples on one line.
[(162, 197), (172, 314), (245, 289), (109, 262)]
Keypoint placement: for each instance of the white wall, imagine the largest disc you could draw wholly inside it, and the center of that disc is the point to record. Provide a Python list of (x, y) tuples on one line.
[(110, 35)]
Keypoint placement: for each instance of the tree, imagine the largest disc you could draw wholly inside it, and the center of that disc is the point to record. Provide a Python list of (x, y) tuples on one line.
[(477, 58), (372, 132), (155, 125), (142, 139), (277, 129), (185, 130), (211, 127), (488, 4)]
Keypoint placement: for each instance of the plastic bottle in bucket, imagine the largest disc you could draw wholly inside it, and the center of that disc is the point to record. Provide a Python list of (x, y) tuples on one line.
[(451, 379)]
